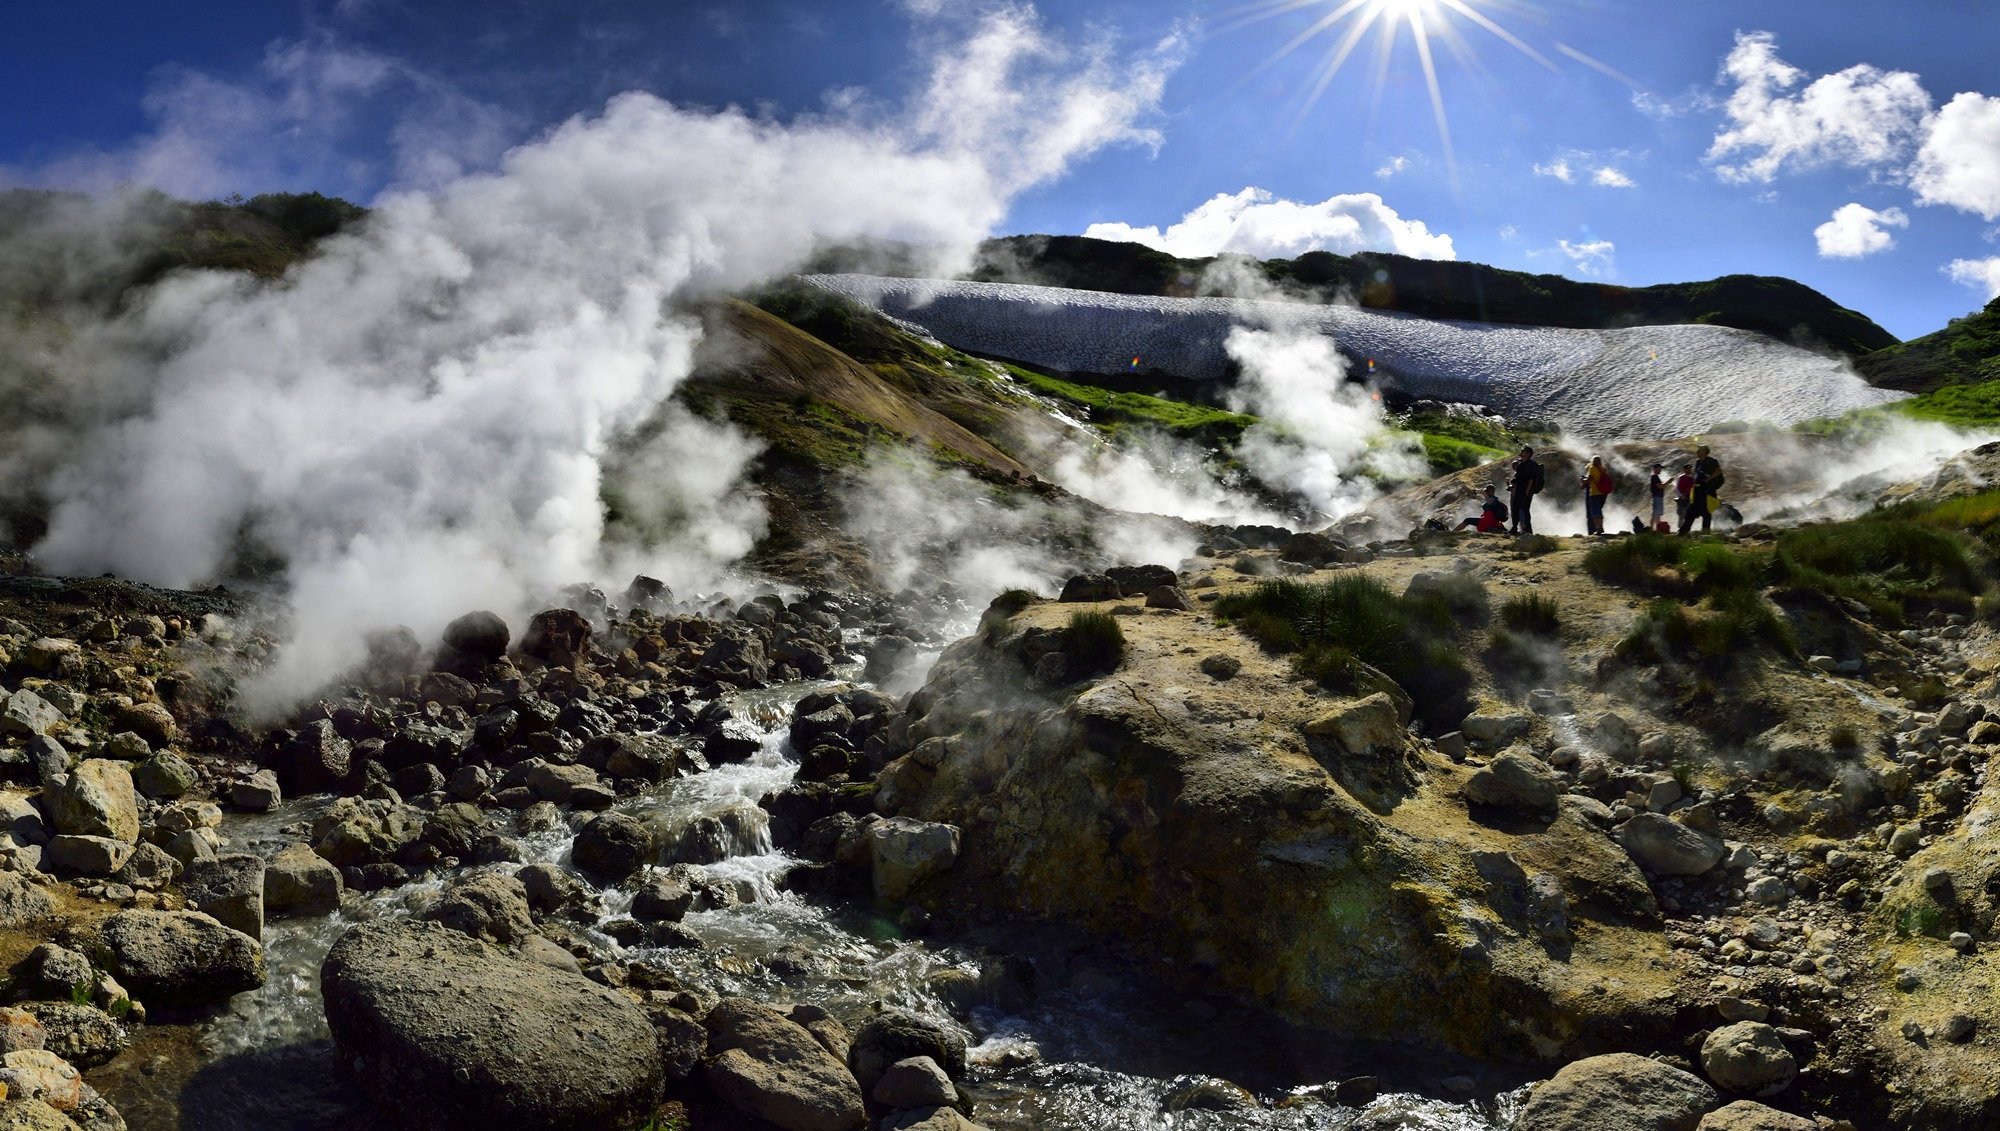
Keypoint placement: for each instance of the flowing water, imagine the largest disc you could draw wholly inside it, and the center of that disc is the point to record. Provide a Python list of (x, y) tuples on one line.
[(1099, 1047)]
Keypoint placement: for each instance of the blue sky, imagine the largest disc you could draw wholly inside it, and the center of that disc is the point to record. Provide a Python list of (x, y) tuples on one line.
[(1855, 147)]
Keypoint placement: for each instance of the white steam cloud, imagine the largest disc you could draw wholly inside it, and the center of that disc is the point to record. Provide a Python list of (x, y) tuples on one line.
[(419, 418)]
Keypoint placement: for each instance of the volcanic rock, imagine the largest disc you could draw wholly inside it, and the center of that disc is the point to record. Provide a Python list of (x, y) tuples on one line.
[(447, 1033), (181, 957)]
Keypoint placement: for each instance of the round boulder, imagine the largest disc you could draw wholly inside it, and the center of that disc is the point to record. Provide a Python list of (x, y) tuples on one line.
[(1617, 1092), (764, 1064), (1749, 1056), (481, 634), (1746, 1115), (613, 845), (181, 957), (1665, 847), (1514, 781), (447, 1033), (897, 1034)]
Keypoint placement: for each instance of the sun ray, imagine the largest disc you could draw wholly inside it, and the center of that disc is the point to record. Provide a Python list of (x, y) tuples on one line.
[(1415, 12), (1463, 8), (1600, 67)]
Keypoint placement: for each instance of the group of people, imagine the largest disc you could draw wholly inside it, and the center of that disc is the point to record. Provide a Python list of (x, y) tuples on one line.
[(1697, 494)]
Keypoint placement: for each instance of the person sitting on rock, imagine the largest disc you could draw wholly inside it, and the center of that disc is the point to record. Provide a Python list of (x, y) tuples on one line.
[(1492, 516)]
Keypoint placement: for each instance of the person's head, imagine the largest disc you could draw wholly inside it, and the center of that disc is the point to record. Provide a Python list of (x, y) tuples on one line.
[(1702, 450), (1597, 461), (1526, 451), (1687, 469), (1659, 467), (1489, 490)]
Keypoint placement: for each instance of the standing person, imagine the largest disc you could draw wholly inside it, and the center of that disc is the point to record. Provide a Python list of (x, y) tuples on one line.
[(1658, 487), (1683, 493), (1707, 483), (1597, 486), (1523, 485)]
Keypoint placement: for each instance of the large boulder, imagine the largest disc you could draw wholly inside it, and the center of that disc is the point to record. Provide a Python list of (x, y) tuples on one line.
[(1665, 847), (21, 901), (1748, 1115), (447, 1033), (317, 760), (905, 853), (84, 1035), (95, 799), (613, 846), (1749, 1056), (181, 957), (1617, 1092), (897, 1034), (557, 636), (1514, 781), (482, 634), (299, 881), (25, 712), (231, 888), (1362, 728), (764, 1064)]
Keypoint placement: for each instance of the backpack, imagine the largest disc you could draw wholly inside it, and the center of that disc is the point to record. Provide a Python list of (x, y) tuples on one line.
[(1500, 510), (1536, 480)]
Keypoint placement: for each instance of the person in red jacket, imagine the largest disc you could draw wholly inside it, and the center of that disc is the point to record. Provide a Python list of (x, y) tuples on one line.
[(1683, 494), (1492, 516)]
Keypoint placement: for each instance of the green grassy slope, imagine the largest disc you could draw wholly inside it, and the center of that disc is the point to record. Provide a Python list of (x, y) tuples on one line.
[(1967, 352)]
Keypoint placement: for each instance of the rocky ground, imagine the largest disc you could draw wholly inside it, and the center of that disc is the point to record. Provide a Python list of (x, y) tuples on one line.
[(1775, 891)]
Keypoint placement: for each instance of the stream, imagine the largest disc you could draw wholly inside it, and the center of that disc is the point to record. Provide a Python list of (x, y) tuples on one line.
[(1099, 1047)]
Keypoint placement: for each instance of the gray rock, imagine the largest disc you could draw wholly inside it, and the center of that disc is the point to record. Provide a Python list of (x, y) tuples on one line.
[(259, 793), (1492, 730), (647, 757), (151, 721), (1362, 728), (20, 821), (318, 759), (191, 845), (84, 1035), (1514, 781), (469, 782), (1748, 1115), (86, 855), (765, 1065), (96, 799), (164, 776), (53, 972), (488, 906), (551, 889), (663, 898), (22, 901), (613, 845), (28, 713), (1666, 847), (230, 888), (1749, 1056), (298, 882), (554, 783), (904, 852), (452, 1034), (1168, 597), (898, 1034), (181, 957), (930, 1119), (149, 868), (914, 1082), (1617, 1092), (128, 746)]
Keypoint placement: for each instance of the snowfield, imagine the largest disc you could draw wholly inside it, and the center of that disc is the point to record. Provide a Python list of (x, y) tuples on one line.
[(1602, 384)]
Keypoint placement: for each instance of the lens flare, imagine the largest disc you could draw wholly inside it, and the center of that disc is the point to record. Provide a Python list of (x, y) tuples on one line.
[(1348, 22)]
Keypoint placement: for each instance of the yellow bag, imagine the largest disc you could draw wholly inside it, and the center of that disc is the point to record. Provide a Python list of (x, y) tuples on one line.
[(1713, 503)]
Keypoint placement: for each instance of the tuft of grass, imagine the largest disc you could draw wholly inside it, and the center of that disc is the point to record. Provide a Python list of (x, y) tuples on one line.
[(1535, 545), (1734, 623), (1901, 562), (1533, 615), (1094, 643), (1631, 561), (1333, 627)]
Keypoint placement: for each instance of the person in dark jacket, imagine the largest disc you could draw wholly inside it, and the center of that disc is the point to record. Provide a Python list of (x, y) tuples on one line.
[(1707, 484), (1523, 483)]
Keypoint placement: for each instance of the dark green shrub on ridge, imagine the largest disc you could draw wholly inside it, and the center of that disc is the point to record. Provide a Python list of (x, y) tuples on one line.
[(1093, 643)]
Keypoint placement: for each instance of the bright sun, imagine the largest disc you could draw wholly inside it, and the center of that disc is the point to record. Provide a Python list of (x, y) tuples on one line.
[(1347, 23)]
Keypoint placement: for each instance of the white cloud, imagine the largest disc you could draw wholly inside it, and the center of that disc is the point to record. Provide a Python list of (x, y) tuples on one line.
[(1253, 222), (1593, 257), (1959, 163), (1559, 169), (1980, 273), (1509, 232), (1861, 117), (1393, 166), (1611, 178), (1857, 230)]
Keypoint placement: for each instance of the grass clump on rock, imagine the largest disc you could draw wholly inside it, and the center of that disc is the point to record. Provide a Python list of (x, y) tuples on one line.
[(1339, 631), (1093, 643)]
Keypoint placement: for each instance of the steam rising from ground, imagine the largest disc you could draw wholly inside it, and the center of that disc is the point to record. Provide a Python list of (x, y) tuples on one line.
[(418, 419)]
